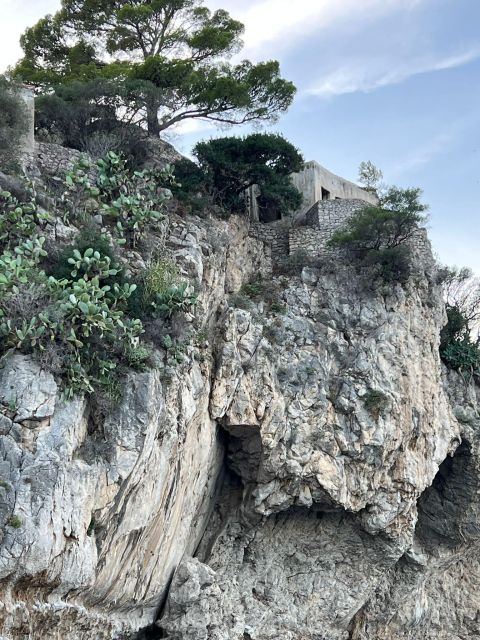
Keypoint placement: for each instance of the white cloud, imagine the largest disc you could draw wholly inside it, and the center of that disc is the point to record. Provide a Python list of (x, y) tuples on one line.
[(282, 23), (369, 74), (15, 17)]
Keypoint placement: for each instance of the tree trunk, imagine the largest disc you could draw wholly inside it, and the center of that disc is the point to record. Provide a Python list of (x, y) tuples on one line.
[(152, 119)]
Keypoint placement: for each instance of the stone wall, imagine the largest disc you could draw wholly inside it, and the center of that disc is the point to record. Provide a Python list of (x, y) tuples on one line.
[(320, 224), (332, 214), (275, 235), (53, 159), (28, 139)]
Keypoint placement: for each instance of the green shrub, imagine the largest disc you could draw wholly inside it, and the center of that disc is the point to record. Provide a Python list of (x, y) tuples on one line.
[(192, 185), (378, 236), (228, 166), (132, 200), (19, 219), (160, 275), (458, 348), (60, 266), (462, 355), (392, 264), (158, 294), (256, 290), (15, 522), (74, 310), (375, 402), (85, 318), (174, 300)]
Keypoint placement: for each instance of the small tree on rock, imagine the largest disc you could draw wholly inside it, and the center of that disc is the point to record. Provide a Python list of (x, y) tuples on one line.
[(227, 167), (378, 236), (370, 176)]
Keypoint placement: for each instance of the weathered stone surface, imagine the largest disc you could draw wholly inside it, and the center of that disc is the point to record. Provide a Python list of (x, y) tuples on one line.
[(302, 387), (302, 474), (332, 472), (96, 517), (27, 391), (432, 593)]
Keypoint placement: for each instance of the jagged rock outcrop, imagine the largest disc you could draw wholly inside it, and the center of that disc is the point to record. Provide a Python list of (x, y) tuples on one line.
[(338, 422), (282, 474)]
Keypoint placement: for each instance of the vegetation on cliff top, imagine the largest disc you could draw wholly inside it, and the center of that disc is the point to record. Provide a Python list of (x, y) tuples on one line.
[(379, 237), (105, 65), (227, 167), (74, 308)]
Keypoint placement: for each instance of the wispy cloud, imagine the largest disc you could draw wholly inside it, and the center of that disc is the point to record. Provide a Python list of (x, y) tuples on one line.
[(424, 154), (281, 24), (367, 74)]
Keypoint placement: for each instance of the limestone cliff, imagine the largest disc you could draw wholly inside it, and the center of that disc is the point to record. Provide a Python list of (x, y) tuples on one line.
[(292, 478)]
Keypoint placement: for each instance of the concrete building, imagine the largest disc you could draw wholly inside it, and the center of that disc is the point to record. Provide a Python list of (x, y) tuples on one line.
[(316, 184)]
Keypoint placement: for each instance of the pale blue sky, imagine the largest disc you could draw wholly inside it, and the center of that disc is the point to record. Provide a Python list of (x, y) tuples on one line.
[(394, 81)]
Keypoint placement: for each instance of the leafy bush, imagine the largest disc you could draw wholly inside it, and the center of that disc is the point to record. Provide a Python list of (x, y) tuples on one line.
[(13, 121), (85, 319), (19, 219), (132, 199), (369, 176), (73, 309), (15, 522), (378, 237), (227, 167), (458, 347), (159, 276), (192, 186), (89, 237), (159, 294), (462, 355), (375, 402)]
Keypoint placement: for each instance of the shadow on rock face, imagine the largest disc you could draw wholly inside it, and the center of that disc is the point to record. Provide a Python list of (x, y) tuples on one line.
[(448, 511)]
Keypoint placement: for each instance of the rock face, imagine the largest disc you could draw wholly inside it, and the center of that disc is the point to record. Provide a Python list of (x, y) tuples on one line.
[(338, 423), (95, 518), (306, 473)]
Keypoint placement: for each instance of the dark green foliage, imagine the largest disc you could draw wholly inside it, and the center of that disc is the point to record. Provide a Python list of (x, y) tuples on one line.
[(462, 355), (375, 402), (377, 237), (15, 522), (19, 219), (159, 294), (191, 186), (456, 329), (228, 166), (84, 116), (89, 237), (392, 264), (173, 63), (13, 121), (458, 348), (173, 300)]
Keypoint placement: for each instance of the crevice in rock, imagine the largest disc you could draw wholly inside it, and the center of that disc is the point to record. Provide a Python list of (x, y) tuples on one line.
[(444, 509)]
